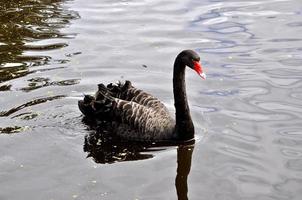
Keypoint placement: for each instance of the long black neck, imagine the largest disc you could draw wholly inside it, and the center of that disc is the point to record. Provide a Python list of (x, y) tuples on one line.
[(184, 124)]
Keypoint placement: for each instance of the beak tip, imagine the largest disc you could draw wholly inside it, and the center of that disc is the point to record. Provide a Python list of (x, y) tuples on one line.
[(203, 76)]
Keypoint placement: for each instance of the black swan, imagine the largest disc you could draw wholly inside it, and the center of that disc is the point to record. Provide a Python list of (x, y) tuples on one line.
[(137, 115)]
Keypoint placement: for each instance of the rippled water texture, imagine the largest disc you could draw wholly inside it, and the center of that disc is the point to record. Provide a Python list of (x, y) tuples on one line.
[(247, 114)]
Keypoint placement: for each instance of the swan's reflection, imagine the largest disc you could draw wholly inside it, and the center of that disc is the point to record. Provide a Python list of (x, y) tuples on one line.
[(104, 148), (108, 150), (184, 160)]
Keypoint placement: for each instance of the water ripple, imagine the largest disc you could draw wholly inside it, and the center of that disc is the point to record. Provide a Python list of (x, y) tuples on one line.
[(28, 104), (294, 164), (39, 82), (291, 132), (255, 116), (10, 130)]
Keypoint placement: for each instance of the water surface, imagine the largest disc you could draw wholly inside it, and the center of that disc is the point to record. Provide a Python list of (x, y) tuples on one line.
[(247, 113)]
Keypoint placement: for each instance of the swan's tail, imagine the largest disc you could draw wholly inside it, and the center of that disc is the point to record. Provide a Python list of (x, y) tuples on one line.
[(85, 105), (101, 106), (118, 90)]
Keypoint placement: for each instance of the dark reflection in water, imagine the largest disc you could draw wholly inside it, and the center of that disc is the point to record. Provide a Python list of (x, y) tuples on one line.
[(107, 150), (28, 104), (5, 87), (184, 160), (39, 82), (9, 130), (104, 148), (22, 25)]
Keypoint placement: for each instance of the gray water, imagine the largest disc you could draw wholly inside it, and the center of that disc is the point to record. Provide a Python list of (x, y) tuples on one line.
[(247, 113)]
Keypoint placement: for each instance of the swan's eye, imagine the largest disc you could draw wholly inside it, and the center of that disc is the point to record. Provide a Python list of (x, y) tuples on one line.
[(195, 59)]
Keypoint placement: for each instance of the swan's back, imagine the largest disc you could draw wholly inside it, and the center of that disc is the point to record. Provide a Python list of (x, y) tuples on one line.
[(135, 114)]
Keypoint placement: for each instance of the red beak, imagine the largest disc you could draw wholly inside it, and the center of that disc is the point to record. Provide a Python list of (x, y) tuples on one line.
[(198, 69)]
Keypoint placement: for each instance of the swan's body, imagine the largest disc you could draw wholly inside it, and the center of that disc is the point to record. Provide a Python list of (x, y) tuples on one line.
[(137, 115)]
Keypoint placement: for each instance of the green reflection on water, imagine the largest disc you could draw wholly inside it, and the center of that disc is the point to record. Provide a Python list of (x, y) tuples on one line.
[(22, 25)]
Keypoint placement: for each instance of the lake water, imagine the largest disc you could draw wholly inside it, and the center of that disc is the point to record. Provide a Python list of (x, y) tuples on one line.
[(247, 114)]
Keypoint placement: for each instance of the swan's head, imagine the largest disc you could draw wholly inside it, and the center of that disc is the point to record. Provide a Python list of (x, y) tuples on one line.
[(191, 59)]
